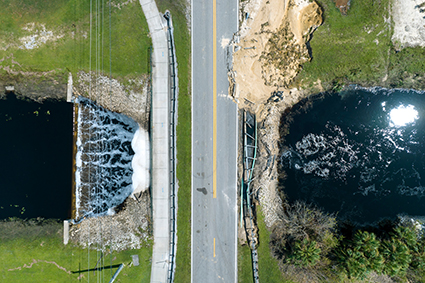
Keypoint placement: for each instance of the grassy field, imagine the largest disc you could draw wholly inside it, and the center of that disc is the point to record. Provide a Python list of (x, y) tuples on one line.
[(70, 39), (267, 265), (182, 43), (38, 255), (245, 274), (360, 44), (361, 51)]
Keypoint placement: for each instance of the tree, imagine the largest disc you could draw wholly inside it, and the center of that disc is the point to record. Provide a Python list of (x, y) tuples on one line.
[(305, 253), (361, 255), (416, 245), (354, 263), (397, 257), (367, 244)]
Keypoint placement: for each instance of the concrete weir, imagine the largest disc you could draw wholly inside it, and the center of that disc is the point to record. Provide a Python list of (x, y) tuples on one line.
[(69, 96), (65, 232)]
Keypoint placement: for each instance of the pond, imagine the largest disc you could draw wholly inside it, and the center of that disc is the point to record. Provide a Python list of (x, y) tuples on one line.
[(36, 158), (359, 153)]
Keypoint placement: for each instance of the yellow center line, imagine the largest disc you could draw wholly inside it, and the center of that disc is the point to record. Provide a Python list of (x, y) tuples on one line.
[(214, 100), (214, 247)]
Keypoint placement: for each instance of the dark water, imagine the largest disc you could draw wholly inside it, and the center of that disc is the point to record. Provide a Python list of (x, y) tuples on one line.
[(36, 158), (360, 153)]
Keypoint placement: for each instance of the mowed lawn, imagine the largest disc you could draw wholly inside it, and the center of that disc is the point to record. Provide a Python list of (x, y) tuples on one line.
[(44, 258), (77, 36)]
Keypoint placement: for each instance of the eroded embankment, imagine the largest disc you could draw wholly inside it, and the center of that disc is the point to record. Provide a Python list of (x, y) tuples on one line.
[(270, 48)]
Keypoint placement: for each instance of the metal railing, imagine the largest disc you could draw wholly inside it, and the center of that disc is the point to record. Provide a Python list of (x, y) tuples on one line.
[(249, 158), (173, 118)]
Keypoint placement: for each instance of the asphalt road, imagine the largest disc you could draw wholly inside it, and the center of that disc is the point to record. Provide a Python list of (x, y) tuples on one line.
[(214, 144)]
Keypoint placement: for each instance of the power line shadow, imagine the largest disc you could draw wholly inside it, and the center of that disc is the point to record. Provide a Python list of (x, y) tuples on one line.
[(96, 269)]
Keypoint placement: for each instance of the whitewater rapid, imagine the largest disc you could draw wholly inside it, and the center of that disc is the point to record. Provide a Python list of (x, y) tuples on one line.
[(141, 161), (112, 159)]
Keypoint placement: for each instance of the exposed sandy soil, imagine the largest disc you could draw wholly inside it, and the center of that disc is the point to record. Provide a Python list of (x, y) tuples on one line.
[(127, 229), (269, 53), (409, 23), (271, 49), (131, 100), (343, 5)]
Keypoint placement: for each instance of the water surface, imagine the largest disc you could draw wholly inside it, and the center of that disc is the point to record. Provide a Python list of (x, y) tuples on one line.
[(36, 158), (360, 153)]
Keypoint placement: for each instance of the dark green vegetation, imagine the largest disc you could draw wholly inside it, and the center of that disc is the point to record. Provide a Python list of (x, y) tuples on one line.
[(69, 40), (361, 50), (34, 249), (182, 44), (396, 254), (308, 245)]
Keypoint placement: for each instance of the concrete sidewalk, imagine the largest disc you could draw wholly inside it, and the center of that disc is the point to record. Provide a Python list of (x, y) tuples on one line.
[(160, 142)]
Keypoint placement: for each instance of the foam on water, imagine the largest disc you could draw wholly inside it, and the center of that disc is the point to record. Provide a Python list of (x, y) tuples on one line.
[(141, 161), (361, 153), (106, 161)]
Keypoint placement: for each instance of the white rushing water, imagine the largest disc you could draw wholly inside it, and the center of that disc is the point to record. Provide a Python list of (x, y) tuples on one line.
[(112, 159), (141, 161)]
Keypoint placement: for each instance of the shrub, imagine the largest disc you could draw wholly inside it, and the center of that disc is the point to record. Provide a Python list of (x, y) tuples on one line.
[(397, 257), (362, 255), (302, 220), (305, 253)]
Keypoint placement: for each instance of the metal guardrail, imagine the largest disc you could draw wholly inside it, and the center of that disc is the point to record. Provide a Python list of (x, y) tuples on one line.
[(250, 156), (173, 118)]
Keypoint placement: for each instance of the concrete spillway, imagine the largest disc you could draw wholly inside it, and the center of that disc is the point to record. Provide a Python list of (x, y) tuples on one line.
[(111, 160)]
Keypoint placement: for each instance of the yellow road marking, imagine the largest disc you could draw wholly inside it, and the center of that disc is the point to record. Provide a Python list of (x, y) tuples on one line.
[(214, 100), (214, 247)]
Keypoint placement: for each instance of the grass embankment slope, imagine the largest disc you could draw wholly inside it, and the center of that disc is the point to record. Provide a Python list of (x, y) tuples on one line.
[(60, 32), (63, 39), (35, 253), (177, 9), (357, 48), (267, 265)]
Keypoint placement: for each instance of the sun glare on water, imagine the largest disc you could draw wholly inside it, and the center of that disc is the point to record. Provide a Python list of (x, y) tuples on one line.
[(403, 115)]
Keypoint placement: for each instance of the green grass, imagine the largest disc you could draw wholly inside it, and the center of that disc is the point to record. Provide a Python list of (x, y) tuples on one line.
[(357, 48), (71, 18), (41, 245), (182, 43), (245, 274), (267, 265), (345, 49)]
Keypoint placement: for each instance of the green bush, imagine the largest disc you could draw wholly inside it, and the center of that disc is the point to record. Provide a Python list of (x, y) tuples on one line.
[(305, 253), (397, 257), (362, 255)]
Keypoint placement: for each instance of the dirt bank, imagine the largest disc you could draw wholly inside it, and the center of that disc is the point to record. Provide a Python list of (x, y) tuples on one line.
[(36, 86), (128, 229), (270, 50), (343, 6), (130, 99)]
